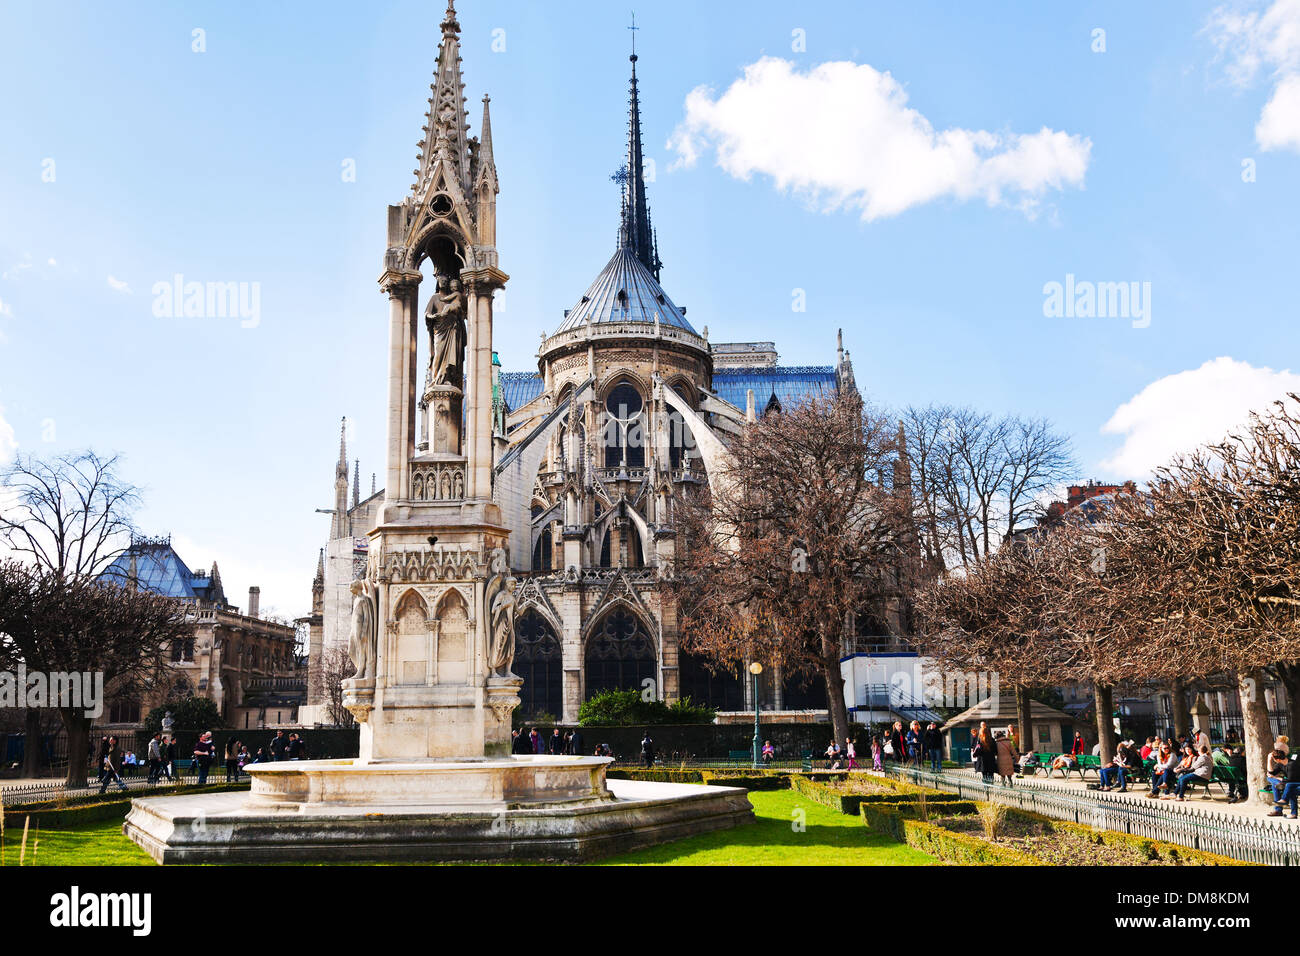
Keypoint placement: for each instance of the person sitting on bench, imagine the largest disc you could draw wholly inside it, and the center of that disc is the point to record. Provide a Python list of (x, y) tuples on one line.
[(1202, 771), (1162, 774), (1114, 770), (1064, 763), (1290, 792)]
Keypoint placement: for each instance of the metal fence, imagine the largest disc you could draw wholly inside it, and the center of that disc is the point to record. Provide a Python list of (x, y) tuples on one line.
[(1274, 842), (51, 790)]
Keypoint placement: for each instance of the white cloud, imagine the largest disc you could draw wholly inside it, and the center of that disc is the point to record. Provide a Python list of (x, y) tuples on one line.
[(1251, 41), (6, 309), (843, 135), (1177, 413), (118, 285)]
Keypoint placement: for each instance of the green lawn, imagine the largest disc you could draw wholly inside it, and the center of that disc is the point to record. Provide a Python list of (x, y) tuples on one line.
[(823, 837), (96, 844), (828, 838)]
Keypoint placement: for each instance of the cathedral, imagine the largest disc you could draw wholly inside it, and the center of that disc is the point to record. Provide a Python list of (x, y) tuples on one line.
[(630, 405)]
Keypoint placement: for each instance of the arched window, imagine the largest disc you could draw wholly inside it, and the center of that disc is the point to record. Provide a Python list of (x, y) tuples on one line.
[(539, 661), (624, 431), (620, 654)]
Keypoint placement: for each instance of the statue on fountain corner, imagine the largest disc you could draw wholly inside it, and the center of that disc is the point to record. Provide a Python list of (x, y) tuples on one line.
[(445, 317), (500, 601), (363, 639)]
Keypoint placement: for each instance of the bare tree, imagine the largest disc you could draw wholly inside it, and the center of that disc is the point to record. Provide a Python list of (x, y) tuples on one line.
[(70, 515), (71, 626), (977, 479), (802, 533), (327, 684)]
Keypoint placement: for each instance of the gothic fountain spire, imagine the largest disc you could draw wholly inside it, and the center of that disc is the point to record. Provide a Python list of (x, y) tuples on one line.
[(446, 122)]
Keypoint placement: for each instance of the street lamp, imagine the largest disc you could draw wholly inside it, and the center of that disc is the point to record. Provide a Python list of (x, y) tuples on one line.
[(755, 669)]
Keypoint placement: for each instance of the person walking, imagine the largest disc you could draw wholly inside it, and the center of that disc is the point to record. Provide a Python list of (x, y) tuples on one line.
[(232, 760), (897, 748), (850, 754), (875, 753), (934, 747), (112, 761), (279, 746), (169, 759), (556, 742), (575, 742), (204, 752), (985, 753), (155, 757), (914, 741), (648, 750), (1006, 758)]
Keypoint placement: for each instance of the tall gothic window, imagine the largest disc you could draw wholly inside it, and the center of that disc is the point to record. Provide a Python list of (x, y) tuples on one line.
[(624, 431), (539, 662), (620, 654), (681, 443)]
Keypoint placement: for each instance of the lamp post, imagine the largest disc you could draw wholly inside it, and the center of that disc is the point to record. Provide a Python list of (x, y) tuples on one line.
[(755, 669)]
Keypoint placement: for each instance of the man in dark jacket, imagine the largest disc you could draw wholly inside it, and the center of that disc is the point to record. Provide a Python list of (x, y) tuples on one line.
[(934, 746), (556, 744), (648, 750), (279, 746), (575, 743)]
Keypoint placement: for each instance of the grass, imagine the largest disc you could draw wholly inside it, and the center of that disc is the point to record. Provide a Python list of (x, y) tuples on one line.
[(96, 844), (825, 837), (828, 838)]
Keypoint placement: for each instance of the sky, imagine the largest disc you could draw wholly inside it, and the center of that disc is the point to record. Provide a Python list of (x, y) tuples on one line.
[(1085, 212)]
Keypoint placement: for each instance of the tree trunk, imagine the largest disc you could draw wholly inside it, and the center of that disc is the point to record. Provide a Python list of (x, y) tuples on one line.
[(1289, 674), (32, 744), (1256, 731), (1024, 721), (1182, 712), (77, 724), (835, 691), (1103, 696)]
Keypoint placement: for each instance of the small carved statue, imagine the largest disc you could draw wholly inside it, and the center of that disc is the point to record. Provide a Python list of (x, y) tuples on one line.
[(364, 637), (500, 602), (445, 317), (168, 722)]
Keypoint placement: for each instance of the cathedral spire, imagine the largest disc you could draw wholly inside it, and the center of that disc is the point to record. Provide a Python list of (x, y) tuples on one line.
[(339, 526), (636, 232)]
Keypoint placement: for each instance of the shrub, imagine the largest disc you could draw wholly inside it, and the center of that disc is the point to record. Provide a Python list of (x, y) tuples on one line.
[(624, 708), (189, 713)]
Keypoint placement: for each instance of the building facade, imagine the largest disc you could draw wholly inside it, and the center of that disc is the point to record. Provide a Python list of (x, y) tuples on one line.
[(247, 665), (630, 405)]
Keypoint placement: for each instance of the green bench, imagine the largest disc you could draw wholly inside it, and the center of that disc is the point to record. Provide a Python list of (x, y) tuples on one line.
[(739, 756)]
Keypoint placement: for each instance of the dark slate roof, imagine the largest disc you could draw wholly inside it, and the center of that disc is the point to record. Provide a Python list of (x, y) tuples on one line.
[(520, 388), (159, 569), (625, 291), (789, 383)]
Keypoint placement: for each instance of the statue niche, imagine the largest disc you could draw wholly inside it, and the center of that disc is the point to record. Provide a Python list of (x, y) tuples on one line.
[(444, 382)]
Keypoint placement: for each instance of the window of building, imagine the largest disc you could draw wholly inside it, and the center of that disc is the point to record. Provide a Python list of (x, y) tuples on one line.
[(624, 431), (620, 654), (539, 661)]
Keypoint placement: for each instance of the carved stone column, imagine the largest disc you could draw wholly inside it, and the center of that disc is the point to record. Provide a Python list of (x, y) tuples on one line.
[(402, 289)]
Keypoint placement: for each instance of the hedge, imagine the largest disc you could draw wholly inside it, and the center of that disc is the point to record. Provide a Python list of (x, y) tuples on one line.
[(1156, 850), (78, 811), (748, 779)]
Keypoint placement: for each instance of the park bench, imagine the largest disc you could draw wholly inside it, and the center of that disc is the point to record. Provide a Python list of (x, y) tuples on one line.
[(1222, 776), (1088, 762), (739, 756), (805, 760)]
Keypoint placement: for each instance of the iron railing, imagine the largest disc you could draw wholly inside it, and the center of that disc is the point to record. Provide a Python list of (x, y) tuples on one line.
[(1271, 842)]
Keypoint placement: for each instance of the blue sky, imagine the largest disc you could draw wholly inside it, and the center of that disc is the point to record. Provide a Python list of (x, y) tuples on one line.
[(225, 166)]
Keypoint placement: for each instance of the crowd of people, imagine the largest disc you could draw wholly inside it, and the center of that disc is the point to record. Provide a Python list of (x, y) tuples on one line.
[(913, 746), (161, 757)]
